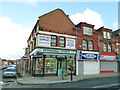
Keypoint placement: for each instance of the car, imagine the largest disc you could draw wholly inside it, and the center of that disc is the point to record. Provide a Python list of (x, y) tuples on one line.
[(12, 65), (3, 67), (10, 72)]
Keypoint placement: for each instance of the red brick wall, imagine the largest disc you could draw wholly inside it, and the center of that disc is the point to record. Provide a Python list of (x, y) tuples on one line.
[(81, 37)]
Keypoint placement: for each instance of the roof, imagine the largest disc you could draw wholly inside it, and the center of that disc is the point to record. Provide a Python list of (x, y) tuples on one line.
[(115, 33), (56, 21)]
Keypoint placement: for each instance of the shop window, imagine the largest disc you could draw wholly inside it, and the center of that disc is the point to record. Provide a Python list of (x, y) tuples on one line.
[(90, 45), (109, 47), (53, 41), (51, 65), (104, 47), (62, 42), (39, 65), (70, 63), (88, 31), (84, 44)]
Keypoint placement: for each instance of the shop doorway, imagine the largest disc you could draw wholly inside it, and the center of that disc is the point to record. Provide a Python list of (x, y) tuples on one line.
[(60, 67)]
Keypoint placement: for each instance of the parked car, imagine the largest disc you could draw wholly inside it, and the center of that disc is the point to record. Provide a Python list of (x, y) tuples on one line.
[(10, 72), (3, 67), (12, 66)]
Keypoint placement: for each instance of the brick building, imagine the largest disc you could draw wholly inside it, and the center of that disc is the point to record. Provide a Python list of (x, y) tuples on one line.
[(56, 45), (107, 47), (87, 61), (51, 45)]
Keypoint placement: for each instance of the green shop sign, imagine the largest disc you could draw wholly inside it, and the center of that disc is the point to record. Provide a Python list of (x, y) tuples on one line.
[(52, 51)]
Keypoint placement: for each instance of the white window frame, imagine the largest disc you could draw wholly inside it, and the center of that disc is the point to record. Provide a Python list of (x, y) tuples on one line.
[(105, 34), (90, 45), (109, 47), (84, 44), (105, 47), (87, 31), (108, 35)]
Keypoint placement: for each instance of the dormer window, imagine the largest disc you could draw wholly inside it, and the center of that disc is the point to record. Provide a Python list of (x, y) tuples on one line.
[(106, 35), (87, 31)]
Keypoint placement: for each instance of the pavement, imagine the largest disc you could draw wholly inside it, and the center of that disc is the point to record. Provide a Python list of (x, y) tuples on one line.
[(28, 79)]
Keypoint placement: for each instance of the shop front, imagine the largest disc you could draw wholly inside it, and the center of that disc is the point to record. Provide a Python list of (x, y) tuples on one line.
[(108, 63), (48, 61), (87, 62)]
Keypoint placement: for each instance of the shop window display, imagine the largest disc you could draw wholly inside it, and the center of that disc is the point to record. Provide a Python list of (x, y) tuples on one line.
[(39, 65), (51, 65), (70, 62)]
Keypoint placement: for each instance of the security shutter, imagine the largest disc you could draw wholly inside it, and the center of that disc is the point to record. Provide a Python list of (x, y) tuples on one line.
[(108, 66), (91, 67)]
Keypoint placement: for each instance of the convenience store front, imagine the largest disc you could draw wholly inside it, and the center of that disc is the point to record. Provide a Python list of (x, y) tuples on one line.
[(49, 61)]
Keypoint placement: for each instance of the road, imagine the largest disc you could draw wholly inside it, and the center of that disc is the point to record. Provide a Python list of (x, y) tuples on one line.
[(109, 82)]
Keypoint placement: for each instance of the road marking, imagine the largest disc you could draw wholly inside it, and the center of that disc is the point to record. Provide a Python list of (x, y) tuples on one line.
[(108, 85)]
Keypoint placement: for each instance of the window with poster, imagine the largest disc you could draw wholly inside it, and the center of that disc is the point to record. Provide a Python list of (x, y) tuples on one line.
[(70, 62), (50, 65), (39, 66)]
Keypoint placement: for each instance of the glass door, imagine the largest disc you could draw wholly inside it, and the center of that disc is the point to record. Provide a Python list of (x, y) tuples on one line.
[(60, 67)]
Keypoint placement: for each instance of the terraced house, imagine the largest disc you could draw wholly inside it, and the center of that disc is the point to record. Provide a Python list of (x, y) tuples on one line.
[(56, 45)]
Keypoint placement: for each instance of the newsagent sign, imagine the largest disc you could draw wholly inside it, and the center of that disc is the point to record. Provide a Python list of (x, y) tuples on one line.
[(44, 40), (52, 51), (86, 55)]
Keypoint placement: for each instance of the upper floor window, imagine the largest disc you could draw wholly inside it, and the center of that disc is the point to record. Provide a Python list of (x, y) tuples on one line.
[(84, 44), (104, 47), (62, 42), (88, 31), (53, 41), (90, 45), (109, 47), (106, 35)]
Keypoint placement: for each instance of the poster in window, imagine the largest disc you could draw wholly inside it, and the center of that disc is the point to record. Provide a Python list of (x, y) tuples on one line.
[(44, 40), (70, 43)]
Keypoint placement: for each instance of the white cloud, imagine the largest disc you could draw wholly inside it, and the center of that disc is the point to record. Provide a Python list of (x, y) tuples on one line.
[(88, 16), (13, 38)]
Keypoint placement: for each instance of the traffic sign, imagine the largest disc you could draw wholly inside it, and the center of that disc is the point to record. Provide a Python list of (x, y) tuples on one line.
[(24, 58)]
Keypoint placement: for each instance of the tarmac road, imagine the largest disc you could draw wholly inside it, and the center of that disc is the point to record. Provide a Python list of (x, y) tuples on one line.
[(109, 82)]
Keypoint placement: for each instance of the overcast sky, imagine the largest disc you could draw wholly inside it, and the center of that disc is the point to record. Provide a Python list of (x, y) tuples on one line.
[(18, 18)]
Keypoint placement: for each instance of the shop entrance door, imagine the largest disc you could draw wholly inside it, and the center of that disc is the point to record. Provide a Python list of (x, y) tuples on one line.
[(60, 67)]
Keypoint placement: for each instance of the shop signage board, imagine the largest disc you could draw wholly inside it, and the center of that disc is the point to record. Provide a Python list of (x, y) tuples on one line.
[(44, 40), (108, 57), (70, 43), (56, 51), (88, 55), (49, 51)]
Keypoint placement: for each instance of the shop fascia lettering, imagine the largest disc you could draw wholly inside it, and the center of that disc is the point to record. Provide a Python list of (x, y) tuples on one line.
[(52, 51), (85, 55), (56, 51), (105, 57)]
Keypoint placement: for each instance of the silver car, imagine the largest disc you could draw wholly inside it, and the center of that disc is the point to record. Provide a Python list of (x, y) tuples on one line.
[(9, 72)]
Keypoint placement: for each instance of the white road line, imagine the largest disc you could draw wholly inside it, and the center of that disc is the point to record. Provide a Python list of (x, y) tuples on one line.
[(108, 85)]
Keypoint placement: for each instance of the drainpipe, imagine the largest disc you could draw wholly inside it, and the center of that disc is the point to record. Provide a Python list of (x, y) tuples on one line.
[(99, 52)]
